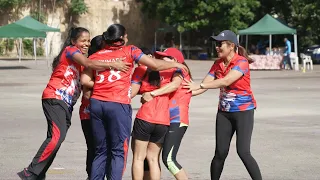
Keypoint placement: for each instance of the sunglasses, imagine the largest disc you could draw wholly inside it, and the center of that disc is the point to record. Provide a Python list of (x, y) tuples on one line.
[(218, 43)]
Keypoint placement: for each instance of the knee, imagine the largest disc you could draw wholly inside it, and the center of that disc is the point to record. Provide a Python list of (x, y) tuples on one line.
[(221, 154), (243, 153), (152, 159), (62, 137), (167, 159)]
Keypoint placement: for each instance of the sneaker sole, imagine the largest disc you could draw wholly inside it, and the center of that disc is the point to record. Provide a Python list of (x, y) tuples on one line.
[(20, 175)]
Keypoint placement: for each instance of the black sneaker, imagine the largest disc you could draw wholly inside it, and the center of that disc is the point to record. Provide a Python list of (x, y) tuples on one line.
[(27, 175), (41, 177)]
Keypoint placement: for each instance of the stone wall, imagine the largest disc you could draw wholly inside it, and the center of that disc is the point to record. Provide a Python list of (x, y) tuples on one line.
[(101, 14)]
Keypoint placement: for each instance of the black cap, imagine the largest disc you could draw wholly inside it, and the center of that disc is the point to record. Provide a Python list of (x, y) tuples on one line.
[(227, 35)]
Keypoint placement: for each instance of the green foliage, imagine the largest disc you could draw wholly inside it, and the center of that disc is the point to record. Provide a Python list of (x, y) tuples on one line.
[(40, 51), (78, 7), (194, 14), (302, 15), (9, 4), (2, 46), (38, 16), (10, 44), (27, 46)]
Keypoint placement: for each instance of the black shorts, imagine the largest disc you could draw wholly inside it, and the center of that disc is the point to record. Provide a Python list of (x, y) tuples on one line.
[(146, 131)]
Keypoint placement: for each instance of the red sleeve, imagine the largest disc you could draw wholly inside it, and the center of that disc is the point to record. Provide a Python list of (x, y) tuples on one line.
[(213, 69), (136, 53), (242, 66), (138, 74), (71, 50)]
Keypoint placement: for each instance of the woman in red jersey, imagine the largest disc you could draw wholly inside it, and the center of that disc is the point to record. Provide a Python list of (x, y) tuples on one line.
[(84, 112), (59, 97), (152, 120), (179, 115), (110, 108), (231, 74)]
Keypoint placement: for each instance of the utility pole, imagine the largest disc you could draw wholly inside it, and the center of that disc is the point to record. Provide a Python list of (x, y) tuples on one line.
[(39, 9)]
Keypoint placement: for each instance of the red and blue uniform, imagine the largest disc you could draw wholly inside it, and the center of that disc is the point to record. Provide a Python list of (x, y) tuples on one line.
[(64, 83), (155, 111), (111, 112), (179, 103), (237, 96), (58, 99)]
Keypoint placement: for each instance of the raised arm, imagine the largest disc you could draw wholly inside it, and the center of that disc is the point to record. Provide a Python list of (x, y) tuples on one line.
[(159, 65), (97, 65)]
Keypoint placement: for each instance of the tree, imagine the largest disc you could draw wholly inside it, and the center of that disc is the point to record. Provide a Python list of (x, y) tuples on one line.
[(302, 15), (194, 14), (306, 18)]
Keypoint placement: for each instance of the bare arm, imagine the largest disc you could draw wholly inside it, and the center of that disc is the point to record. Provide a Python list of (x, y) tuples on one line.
[(208, 78), (97, 65), (87, 79), (230, 78), (135, 87), (170, 87), (86, 92), (158, 65)]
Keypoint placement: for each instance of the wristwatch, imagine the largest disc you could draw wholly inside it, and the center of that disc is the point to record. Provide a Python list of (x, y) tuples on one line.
[(201, 86)]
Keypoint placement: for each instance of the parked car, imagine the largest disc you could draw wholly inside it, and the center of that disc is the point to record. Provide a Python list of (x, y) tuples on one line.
[(314, 52)]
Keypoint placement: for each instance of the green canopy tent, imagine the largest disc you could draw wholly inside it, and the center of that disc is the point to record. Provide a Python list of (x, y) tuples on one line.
[(17, 31), (31, 23), (269, 26)]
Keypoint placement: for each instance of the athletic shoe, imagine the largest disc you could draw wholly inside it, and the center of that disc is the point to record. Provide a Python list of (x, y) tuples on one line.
[(27, 175), (41, 177)]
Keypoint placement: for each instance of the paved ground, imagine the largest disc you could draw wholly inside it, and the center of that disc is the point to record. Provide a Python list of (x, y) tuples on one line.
[(285, 141)]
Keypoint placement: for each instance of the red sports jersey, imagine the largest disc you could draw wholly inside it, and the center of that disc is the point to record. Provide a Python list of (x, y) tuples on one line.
[(238, 96), (179, 103), (64, 83), (113, 85), (84, 111), (157, 110)]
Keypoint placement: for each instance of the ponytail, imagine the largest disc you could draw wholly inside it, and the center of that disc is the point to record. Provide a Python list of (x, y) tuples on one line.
[(184, 63), (114, 35), (96, 45), (242, 52), (73, 35), (66, 43), (154, 78), (111, 41)]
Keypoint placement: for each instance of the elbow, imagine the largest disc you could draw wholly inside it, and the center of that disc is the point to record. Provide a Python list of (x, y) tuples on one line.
[(175, 87), (225, 83), (154, 67), (88, 84)]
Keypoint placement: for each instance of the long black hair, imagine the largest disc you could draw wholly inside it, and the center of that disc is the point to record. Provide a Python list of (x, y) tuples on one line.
[(154, 78), (114, 34), (73, 35), (96, 45)]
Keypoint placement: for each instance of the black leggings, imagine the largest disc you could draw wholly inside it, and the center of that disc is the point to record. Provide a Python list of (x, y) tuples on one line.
[(88, 135), (226, 124), (171, 146)]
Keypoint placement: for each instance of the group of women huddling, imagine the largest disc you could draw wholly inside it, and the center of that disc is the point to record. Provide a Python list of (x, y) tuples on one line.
[(103, 69)]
